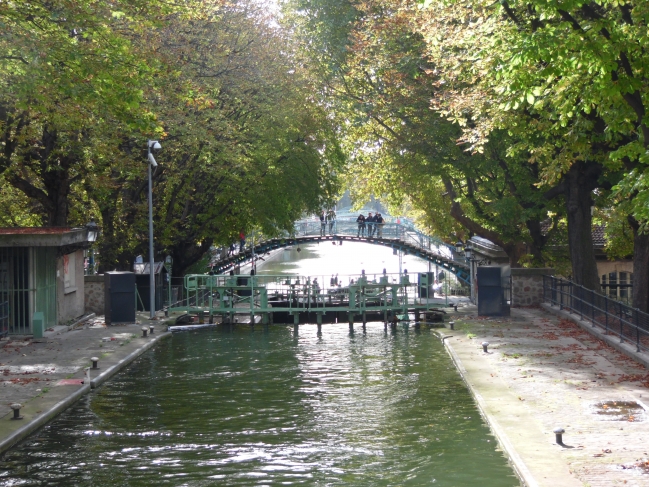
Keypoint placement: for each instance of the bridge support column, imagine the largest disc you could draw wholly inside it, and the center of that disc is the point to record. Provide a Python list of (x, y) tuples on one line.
[(319, 321), (394, 320), (417, 318), (364, 320), (351, 322)]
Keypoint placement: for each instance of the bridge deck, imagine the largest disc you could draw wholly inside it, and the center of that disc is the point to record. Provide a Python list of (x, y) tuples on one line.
[(395, 236)]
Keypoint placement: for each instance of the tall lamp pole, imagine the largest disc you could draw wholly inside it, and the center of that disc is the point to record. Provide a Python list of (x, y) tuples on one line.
[(152, 145)]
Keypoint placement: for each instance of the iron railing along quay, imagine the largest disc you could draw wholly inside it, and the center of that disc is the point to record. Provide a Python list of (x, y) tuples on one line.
[(614, 317)]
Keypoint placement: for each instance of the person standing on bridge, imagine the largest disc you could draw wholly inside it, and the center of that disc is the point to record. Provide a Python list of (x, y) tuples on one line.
[(378, 222), (370, 224), (242, 241), (361, 225), (331, 217), (323, 224)]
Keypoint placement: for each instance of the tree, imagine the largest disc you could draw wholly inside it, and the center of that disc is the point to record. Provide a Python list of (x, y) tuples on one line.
[(377, 80)]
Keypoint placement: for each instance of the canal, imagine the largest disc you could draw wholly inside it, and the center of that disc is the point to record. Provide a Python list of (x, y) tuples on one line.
[(242, 408)]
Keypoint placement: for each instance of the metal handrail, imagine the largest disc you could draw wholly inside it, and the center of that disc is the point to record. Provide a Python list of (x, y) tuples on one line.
[(614, 317)]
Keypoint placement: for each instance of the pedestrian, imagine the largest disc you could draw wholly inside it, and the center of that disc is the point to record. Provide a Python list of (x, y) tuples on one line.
[(361, 225), (231, 249), (370, 225), (242, 241), (323, 223), (379, 225), (332, 221)]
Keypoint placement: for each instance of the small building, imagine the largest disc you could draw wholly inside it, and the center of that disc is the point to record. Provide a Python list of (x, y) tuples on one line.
[(41, 270), (142, 283)]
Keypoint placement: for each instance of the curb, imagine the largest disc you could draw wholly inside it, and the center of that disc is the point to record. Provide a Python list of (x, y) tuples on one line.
[(515, 460), (112, 370), (41, 420), (597, 332)]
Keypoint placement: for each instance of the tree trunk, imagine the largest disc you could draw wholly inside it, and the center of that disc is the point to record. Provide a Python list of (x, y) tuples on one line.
[(580, 181), (640, 267), (186, 254)]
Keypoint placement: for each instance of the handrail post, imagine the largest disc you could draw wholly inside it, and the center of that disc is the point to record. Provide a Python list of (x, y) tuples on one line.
[(621, 324), (606, 313), (592, 307)]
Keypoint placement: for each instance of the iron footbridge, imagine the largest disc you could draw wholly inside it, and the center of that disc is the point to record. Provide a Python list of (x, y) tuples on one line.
[(399, 237)]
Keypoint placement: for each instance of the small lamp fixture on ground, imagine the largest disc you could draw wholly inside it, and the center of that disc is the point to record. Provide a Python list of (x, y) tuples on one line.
[(152, 145)]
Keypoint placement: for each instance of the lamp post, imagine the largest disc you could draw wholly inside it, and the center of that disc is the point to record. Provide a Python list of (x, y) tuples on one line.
[(152, 145), (93, 233), (468, 253)]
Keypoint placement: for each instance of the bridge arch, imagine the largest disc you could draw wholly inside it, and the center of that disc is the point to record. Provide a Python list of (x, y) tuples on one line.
[(396, 236)]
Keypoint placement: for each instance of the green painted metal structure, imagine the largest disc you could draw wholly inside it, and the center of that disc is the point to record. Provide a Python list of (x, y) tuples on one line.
[(303, 299)]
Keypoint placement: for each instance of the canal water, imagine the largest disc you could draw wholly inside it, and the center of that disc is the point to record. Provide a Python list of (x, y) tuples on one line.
[(255, 408)]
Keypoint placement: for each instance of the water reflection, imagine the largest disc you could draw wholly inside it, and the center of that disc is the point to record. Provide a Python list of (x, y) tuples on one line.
[(266, 408)]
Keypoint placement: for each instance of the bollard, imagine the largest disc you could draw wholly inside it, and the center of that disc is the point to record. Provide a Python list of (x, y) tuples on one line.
[(95, 360), (151, 328), (484, 347), (558, 432), (144, 330), (452, 325), (16, 407)]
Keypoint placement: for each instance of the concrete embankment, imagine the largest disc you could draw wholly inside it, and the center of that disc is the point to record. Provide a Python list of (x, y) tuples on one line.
[(541, 372), (47, 376)]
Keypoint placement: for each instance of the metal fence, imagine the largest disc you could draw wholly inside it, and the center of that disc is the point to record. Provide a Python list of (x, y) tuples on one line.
[(614, 317)]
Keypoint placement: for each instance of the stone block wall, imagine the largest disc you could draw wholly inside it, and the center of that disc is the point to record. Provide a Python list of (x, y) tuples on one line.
[(94, 290), (527, 285)]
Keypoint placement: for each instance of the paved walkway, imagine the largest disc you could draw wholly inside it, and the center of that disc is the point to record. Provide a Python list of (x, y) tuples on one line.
[(48, 375), (543, 372)]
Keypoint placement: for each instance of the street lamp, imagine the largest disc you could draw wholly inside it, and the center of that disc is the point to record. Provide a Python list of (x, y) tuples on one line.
[(152, 145), (93, 232), (468, 252), (458, 246)]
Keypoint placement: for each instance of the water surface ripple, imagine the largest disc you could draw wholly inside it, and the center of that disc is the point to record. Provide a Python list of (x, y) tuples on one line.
[(259, 408)]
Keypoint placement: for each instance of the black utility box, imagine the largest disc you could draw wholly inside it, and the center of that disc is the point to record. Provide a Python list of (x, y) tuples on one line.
[(425, 283), (119, 297), (493, 291)]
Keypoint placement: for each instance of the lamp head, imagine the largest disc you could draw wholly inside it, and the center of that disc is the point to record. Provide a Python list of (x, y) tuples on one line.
[(93, 231), (468, 252), (458, 246), (154, 145)]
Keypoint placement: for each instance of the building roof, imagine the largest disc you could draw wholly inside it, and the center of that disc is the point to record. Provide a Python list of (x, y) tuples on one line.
[(42, 236)]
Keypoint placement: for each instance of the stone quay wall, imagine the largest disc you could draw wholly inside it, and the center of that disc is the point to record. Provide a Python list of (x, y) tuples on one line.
[(527, 285), (94, 294)]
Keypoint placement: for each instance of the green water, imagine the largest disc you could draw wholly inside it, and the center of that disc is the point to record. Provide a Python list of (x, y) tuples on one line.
[(253, 408), (259, 408)]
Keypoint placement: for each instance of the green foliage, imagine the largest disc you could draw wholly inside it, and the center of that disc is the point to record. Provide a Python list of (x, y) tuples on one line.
[(85, 84), (380, 93)]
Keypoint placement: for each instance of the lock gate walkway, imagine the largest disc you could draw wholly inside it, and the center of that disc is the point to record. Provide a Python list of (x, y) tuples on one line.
[(299, 299)]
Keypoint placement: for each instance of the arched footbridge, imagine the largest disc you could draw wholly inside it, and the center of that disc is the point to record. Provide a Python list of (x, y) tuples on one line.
[(394, 235)]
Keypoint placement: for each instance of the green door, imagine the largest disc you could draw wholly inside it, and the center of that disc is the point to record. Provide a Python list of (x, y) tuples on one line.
[(44, 272)]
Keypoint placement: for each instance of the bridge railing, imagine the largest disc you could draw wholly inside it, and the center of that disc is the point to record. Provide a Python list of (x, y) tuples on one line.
[(395, 231)]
